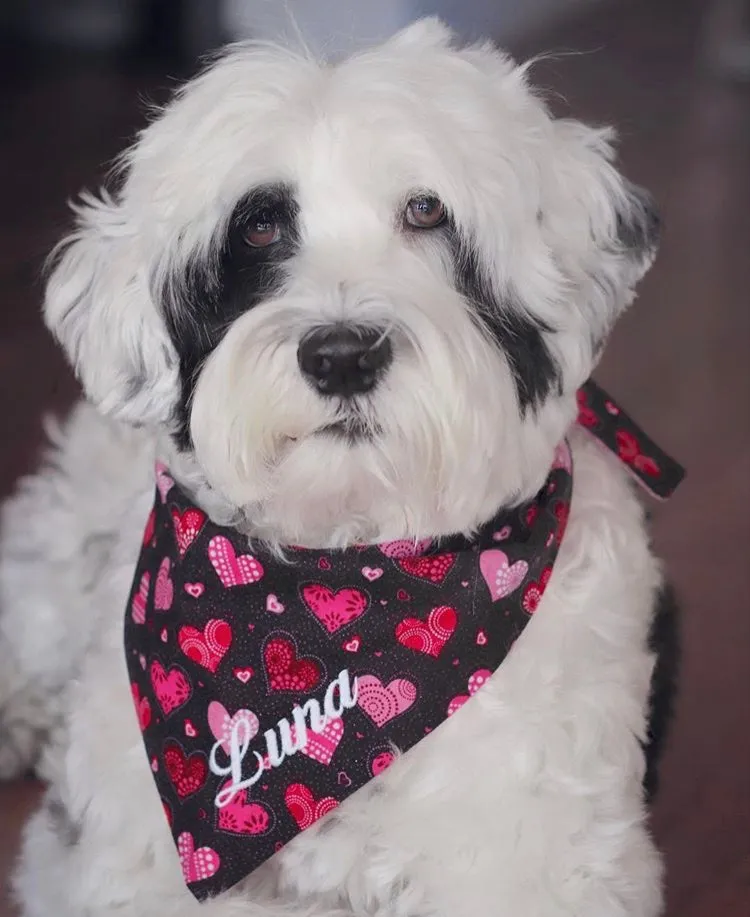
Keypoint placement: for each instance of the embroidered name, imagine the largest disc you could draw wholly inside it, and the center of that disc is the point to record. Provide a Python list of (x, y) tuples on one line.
[(284, 740)]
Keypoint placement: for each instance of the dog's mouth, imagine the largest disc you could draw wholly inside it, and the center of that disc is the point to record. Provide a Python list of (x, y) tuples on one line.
[(352, 429)]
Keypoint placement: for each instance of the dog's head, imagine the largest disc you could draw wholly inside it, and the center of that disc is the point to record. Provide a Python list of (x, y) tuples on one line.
[(363, 294)]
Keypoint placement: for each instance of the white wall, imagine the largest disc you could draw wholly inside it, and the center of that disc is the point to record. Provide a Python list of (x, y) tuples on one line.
[(340, 25)]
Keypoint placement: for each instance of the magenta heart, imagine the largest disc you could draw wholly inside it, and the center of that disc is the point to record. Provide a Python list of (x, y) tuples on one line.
[(334, 610), (242, 817), (501, 577), (172, 688), (233, 569), (196, 864), (384, 702), (321, 745), (195, 590)]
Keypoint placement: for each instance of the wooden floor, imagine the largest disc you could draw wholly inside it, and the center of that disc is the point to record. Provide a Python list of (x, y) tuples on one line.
[(680, 361)]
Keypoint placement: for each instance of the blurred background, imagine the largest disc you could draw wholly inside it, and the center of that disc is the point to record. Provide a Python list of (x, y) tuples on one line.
[(674, 77)]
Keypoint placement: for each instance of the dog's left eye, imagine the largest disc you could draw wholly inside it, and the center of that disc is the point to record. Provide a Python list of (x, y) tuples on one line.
[(261, 230), (425, 212)]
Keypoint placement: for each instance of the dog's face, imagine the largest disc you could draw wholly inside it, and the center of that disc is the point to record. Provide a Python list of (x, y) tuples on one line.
[(363, 295)]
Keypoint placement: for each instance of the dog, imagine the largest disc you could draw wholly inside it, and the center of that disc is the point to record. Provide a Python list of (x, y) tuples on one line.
[(346, 304)]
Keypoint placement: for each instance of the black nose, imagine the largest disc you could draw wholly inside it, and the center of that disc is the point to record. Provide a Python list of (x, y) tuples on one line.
[(344, 360)]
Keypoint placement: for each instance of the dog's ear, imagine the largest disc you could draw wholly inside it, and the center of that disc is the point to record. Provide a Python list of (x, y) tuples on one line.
[(98, 306), (429, 31), (603, 230)]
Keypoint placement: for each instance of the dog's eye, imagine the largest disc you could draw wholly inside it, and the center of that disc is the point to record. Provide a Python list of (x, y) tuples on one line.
[(425, 212), (261, 230)]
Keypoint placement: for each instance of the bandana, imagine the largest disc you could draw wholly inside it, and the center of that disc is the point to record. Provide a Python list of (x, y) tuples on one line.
[(269, 689)]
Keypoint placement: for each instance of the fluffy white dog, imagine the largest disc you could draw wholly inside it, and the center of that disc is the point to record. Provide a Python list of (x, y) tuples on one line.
[(345, 303)]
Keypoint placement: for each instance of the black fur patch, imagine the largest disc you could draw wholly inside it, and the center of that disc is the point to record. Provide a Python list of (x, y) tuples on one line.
[(202, 305), (67, 830), (665, 643), (517, 333), (639, 228)]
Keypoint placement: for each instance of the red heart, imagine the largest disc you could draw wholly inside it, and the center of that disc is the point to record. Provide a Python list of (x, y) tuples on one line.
[(209, 647), (285, 670), (187, 772), (434, 568), (187, 526), (190, 731), (243, 675), (428, 636), (148, 532), (353, 644), (334, 610), (142, 707), (304, 808)]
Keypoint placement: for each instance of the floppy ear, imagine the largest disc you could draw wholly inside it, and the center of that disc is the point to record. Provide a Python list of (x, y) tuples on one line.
[(603, 229), (99, 307)]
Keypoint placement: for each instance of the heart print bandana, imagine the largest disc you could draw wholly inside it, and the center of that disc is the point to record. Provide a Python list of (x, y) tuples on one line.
[(270, 689)]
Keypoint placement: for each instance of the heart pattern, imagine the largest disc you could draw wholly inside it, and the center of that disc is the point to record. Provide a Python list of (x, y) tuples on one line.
[(372, 648), (304, 808), (501, 576), (207, 647), (188, 773), (199, 864), (142, 707), (172, 689), (321, 746), (164, 588), (140, 600), (334, 610), (475, 683), (241, 816), (285, 670), (187, 527), (428, 636), (221, 724), (384, 702), (431, 569), (233, 569)]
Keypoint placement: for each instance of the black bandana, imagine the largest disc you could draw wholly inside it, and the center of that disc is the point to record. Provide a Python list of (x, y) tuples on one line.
[(269, 690)]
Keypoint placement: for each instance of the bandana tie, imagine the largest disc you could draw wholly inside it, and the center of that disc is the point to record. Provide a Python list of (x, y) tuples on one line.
[(268, 690)]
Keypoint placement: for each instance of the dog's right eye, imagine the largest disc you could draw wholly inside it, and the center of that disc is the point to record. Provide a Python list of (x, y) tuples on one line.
[(261, 230)]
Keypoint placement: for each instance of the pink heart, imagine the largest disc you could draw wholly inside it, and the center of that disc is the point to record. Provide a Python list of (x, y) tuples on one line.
[(194, 589), (190, 731), (500, 576), (233, 569), (196, 864), (273, 604), (503, 534), (475, 683), (172, 688), (221, 723), (243, 817), (384, 702), (164, 481), (138, 607), (405, 548), (334, 610), (372, 573), (321, 745), (243, 675), (164, 589)]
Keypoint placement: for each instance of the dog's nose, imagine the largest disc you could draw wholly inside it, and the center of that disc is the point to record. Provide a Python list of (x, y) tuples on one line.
[(344, 360)]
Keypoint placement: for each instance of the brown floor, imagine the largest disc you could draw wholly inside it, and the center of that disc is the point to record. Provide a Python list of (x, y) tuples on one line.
[(680, 361)]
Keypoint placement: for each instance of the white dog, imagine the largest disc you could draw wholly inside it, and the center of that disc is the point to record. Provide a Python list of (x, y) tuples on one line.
[(345, 303)]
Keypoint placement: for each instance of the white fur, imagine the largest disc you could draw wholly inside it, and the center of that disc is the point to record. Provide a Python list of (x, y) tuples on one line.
[(528, 802)]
